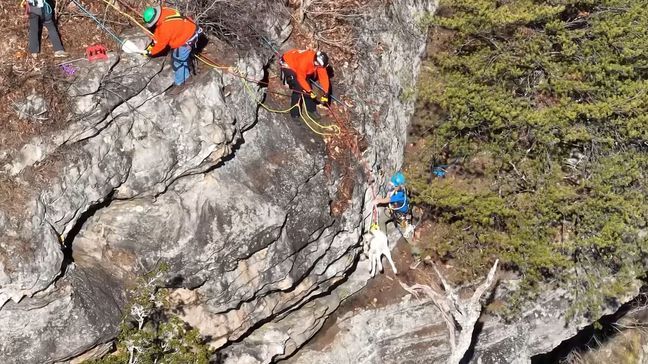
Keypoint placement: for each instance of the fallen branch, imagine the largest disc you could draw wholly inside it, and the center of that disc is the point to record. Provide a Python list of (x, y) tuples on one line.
[(460, 315)]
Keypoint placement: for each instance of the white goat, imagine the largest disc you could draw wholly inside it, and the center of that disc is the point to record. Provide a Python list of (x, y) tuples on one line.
[(375, 245)]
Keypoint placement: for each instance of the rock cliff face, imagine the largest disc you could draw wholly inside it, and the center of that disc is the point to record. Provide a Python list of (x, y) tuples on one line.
[(244, 205), (389, 325)]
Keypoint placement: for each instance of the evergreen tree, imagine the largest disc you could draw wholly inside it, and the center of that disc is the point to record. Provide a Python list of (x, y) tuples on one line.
[(540, 108), (151, 334)]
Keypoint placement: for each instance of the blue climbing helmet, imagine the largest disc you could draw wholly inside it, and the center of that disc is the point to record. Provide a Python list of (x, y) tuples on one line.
[(398, 179)]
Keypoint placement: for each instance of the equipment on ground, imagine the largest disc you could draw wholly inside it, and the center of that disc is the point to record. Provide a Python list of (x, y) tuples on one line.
[(96, 52), (132, 48)]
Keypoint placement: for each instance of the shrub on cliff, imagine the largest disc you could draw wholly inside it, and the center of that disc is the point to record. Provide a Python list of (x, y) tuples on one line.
[(540, 108), (150, 333)]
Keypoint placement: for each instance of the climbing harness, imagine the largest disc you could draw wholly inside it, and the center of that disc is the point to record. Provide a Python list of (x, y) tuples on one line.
[(47, 8)]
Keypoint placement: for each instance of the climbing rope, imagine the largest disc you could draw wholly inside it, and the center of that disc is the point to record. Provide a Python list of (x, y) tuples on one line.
[(101, 25)]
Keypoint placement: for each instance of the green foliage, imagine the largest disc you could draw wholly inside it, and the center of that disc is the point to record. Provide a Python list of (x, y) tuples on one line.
[(544, 105), (150, 333)]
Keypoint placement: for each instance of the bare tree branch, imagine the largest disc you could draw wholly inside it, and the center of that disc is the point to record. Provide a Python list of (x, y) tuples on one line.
[(460, 315)]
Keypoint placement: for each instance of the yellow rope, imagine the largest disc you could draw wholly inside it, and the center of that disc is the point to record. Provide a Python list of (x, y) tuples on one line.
[(253, 96), (304, 116), (326, 127)]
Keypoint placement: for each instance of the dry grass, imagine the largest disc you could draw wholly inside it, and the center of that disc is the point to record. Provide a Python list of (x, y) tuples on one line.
[(333, 22), (21, 75)]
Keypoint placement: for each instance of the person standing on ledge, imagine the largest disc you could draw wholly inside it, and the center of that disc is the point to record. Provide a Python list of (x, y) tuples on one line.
[(41, 13)]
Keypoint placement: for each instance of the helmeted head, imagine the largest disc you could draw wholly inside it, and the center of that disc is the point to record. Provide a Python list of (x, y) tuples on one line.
[(151, 15), (321, 59), (398, 179)]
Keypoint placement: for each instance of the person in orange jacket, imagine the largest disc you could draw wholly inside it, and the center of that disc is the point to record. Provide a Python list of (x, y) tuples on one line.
[(298, 68), (175, 31)]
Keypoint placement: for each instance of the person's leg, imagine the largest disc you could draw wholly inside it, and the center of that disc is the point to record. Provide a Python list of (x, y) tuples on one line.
[(34, 29), (48, 21), (295, 98), (180, 65), (311, 106), (383, 218)]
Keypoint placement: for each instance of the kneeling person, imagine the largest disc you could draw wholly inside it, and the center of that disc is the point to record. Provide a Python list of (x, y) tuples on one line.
[(298, 68)]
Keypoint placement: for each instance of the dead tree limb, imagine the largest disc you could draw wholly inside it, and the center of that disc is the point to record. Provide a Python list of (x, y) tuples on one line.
[(460, 315)]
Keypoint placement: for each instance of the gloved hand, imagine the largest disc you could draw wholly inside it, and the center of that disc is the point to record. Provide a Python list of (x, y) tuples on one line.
[(313, 96), (148, 49), (324, 100)]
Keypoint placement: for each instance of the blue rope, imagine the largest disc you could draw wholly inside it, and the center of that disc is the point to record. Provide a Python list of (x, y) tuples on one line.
[(102, 26)]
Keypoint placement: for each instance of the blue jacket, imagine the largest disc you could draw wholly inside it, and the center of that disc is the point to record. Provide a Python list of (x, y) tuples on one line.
[(398, 201)]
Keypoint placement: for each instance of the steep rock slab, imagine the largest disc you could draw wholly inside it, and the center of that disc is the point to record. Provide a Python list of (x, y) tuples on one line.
[(409, 332), (141, 189), (131, 141), (391, 333), (255, 236), (80, 312), (381, 87), (107, 153)]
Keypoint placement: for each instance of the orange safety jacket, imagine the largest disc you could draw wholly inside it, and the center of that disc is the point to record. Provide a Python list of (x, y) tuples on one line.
[(303, 63), (173, 30)]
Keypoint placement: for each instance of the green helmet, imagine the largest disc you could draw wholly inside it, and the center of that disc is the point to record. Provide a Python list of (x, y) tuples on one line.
[(151, 15)]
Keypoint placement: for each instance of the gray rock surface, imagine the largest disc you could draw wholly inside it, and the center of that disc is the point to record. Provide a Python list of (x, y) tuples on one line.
[(413, 331), (239, 202)]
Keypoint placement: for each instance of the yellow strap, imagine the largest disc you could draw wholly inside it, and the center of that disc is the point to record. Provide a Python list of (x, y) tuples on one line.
[(174, 17)]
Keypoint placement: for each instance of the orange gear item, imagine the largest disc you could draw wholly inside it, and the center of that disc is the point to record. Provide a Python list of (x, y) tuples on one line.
[(96, 52), (303, 63), (173, 30)]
